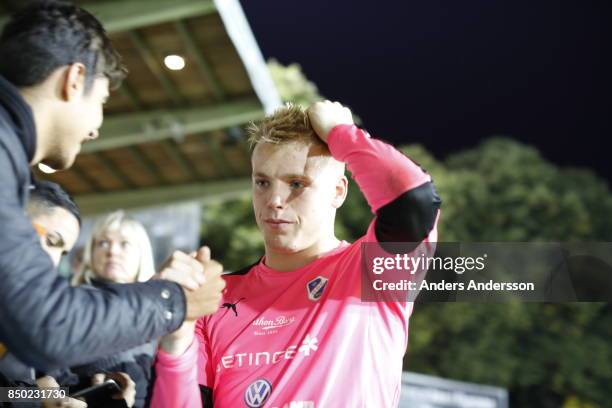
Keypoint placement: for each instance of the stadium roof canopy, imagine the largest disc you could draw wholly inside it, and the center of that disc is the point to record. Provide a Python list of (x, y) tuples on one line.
[(172, 135)]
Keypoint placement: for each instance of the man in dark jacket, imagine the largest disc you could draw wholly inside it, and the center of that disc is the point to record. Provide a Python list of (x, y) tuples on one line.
[(56, 67)]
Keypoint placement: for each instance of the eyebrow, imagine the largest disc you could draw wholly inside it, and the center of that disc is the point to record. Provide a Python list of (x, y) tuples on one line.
[(300, 176)]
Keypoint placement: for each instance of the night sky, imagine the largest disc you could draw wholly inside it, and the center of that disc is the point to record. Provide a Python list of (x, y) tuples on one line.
[(449, 74)]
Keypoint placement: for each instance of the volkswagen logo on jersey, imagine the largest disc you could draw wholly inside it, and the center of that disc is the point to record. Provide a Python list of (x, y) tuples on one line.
[(316, 287), (257, 393)]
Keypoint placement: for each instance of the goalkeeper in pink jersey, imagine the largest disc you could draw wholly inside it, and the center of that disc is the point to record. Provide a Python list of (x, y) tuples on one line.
[(292, 330)]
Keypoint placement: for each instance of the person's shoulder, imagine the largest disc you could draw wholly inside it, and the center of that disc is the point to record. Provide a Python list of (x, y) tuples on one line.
[(8, 134), (14, 166), (241, 272)]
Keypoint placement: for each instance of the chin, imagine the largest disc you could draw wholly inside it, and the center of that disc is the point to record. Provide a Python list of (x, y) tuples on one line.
[(283, 247), (69, 160), (59, 163)]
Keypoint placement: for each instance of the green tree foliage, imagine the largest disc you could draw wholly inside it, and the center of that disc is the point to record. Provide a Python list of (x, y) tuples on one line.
[(548, 355), (504, 190), (292, 85), (229, 229)]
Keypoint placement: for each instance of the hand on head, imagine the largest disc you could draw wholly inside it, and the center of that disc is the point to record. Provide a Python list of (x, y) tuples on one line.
[(326, 115)]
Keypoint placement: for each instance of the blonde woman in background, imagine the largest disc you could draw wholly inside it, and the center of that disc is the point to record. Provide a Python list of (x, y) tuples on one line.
[(119, 251)]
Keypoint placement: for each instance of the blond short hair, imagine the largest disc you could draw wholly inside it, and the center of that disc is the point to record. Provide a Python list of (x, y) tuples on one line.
[(287, 124), (134, 231)]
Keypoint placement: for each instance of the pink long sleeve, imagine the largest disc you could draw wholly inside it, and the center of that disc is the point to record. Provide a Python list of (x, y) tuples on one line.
[(176, 383), (382, 172)]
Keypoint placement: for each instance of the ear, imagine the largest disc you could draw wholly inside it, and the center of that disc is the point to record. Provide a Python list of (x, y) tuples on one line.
[(74, 81), (340, 192)]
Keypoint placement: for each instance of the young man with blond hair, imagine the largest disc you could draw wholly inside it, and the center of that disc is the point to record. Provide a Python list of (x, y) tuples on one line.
[(293, 330)]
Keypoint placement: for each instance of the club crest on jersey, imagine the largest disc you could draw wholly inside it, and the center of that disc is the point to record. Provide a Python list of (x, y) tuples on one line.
[(316, 287), (257, 393)]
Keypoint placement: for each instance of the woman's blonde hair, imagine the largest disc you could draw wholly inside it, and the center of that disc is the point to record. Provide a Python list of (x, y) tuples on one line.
[(134, 232)]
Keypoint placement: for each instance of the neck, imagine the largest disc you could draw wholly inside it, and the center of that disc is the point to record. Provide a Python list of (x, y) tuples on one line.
[(289, 261), (41, 113)]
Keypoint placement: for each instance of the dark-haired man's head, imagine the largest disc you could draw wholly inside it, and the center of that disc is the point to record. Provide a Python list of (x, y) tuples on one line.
[(60, 58), (55, 217)]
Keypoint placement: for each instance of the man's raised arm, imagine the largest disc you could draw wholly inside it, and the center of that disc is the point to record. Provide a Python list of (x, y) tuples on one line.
[(399, 192)]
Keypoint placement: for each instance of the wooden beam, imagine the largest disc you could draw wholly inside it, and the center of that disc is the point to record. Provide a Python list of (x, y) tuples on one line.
[(151, 61), (129, 93), (114, 170), (136, 128), (146, 163), (203, 66), (205, 192), (218, 157), (171, 148), (91, 182)]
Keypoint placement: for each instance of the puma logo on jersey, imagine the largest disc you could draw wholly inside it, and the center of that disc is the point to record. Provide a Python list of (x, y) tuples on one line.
[(232, 306)]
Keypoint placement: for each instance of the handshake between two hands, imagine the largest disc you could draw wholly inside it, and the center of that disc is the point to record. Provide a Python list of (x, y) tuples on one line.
[(200, 277)]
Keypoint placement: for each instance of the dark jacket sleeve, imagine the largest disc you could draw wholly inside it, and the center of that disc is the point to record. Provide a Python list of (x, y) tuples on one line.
[(410, 217), (47, 323)]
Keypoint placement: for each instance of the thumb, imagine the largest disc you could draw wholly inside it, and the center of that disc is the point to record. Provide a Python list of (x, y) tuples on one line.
[(203, 254)]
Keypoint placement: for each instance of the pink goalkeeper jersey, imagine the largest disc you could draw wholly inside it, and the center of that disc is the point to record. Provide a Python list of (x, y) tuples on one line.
[(304, 338)]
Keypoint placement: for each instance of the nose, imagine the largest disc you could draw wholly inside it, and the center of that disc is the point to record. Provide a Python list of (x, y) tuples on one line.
[(93, 135), (277, 198), (114, 249), (275, 201)]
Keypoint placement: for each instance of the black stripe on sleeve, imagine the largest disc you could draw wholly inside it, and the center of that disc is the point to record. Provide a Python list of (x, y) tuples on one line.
[(410, 217)]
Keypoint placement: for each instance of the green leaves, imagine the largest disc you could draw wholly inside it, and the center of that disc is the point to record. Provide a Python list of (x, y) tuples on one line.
[(546, 354)]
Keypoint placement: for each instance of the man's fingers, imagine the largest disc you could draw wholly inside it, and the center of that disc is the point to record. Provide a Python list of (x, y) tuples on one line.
[(183, 271), (190, 272), (189, 267), (73, 403), (178, 255), (98, 378), (187, 262), (186, 280), (203, 254), (127, 385), (122, 379), (212, 269), (221, 283)]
